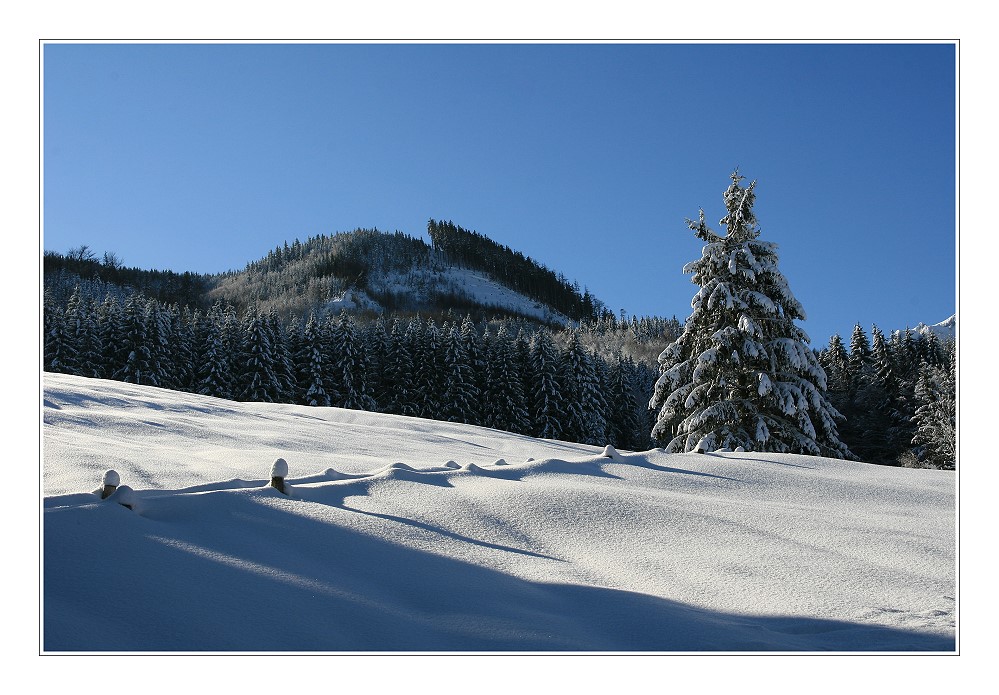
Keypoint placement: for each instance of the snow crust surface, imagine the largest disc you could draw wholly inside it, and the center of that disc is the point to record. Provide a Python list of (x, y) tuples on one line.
[(402, 534)]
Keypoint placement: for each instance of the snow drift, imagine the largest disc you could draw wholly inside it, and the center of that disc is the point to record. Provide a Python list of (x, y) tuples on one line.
[(401, 534)]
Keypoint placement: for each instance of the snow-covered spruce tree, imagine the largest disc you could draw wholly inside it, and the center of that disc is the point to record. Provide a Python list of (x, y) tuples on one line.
[(936, 415), (741, 374), (582, 394), (547, 412), (312, 367), (459, 385), (215, 352)]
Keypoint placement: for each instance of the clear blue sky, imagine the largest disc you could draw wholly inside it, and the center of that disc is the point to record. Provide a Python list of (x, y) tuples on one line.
[(588, 158)]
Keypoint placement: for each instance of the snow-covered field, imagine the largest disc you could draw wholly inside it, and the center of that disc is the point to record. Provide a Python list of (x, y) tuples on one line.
[(401, 534)]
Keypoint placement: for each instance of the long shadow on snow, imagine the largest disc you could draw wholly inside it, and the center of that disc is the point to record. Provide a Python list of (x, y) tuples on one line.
[(746, 458), (450, 534), (246, 572), (645, 463)]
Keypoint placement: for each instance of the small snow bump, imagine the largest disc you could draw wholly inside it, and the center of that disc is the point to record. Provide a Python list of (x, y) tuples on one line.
[(452, 464), (125, 496), (500, 462), (279, 469), (610, 452), (111, 477)]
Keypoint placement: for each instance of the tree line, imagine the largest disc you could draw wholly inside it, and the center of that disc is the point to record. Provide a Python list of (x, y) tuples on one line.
[(506, 374), (898, 396)]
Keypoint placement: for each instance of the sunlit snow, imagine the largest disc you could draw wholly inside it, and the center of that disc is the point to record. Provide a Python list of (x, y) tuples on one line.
[(402, 534)]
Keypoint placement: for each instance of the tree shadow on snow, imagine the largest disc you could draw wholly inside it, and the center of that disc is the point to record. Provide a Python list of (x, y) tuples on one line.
[(239, 573), (450, 534), (645, 463)]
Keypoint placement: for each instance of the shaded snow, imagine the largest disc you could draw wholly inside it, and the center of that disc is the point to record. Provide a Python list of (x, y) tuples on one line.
[(401, 534)]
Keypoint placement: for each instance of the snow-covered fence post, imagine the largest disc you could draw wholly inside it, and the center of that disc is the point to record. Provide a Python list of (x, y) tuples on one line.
[(111, 482), (279, 471)]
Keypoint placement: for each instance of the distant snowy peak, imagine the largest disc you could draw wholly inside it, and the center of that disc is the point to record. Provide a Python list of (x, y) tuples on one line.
[(944, 329)]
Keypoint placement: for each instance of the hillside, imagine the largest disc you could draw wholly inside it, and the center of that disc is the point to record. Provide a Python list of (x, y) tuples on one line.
[(404, 534), (366, 272)]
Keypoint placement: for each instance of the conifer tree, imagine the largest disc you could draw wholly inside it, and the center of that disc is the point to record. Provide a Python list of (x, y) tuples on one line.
[(159, 340), (108, 321), (285, 381), (503, 400), (184, 327), (349, 370), (81, 328), (312, 367), (936, 415), (741, 373), (836, 364), (215, 357), (376, 340), (135, 364), (860, 356), (474, 348), (59, 348), (399, 372), (622, 420), (547, 412), (256, 379), (460, 394), (582, 393)]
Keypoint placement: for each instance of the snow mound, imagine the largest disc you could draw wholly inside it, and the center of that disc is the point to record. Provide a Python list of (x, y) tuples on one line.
[(279, 469)]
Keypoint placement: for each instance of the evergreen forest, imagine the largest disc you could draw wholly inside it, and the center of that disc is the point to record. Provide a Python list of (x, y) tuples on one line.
[(421, 348)]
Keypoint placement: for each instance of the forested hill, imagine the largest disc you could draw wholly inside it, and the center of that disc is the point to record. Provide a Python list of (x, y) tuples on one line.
[(365, 272)]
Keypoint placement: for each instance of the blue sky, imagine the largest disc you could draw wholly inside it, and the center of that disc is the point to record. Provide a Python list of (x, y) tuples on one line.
[(588, 158)]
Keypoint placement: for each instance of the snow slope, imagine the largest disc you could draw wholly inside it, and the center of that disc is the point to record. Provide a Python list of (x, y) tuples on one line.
[(401, 534), (474, 286)]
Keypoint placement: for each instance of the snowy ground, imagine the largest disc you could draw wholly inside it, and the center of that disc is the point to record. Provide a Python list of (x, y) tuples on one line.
[(474, 285), (401, 534)]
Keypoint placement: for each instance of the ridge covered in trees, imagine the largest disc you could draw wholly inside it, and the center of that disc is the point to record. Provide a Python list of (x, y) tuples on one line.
[(513, 269), (377, 271)]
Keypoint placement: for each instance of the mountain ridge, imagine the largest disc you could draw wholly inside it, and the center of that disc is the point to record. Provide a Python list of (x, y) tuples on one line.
[(365, 271)]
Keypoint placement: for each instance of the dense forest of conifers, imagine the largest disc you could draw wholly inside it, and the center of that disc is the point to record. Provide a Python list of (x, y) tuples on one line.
[(508, 374), (261, 334), (898, 396)]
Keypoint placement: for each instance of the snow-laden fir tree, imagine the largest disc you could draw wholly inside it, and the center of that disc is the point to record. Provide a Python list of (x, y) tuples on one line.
[(547, 412), (582, 393), (742, 374), (215, 356), (936, 414), (457, 402), (313, 366)]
